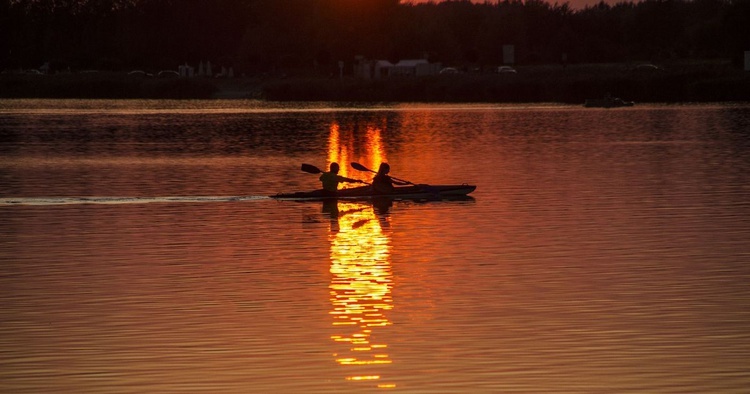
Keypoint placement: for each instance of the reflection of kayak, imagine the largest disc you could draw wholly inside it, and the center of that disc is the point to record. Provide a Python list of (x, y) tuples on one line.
[(406, 192)]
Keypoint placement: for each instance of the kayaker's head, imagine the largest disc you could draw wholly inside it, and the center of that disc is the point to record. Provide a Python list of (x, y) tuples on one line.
[(384, 168), (335, 168)]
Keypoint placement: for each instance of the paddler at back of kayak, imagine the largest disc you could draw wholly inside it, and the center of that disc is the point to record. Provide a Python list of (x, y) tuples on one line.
[(331, 179), (382, 183)]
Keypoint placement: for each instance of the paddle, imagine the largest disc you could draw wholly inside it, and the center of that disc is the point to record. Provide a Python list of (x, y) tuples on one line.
[(360, 167), (310, 169)]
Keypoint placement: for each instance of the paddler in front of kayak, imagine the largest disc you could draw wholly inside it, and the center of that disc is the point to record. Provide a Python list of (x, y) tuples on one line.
[(331, 179)]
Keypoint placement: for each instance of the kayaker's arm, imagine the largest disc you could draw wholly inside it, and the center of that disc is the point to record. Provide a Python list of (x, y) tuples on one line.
[(350, 180), (399, 182)]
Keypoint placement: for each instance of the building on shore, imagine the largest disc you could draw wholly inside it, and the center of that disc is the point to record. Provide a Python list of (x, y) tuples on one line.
[(383, 69)]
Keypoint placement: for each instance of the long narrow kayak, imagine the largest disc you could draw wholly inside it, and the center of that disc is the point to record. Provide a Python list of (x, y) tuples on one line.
[(365, 192)]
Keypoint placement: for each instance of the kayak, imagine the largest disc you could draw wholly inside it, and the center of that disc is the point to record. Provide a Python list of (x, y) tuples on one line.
[(416, 192), (365, 192)]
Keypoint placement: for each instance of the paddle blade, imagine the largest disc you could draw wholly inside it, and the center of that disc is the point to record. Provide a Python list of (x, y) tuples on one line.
[(360, 167), (310, 169)]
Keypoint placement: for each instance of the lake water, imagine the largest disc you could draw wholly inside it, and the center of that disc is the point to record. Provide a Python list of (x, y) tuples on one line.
[(603, 250)]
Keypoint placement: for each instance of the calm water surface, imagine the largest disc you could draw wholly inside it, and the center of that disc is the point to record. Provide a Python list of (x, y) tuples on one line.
[(603, 251)]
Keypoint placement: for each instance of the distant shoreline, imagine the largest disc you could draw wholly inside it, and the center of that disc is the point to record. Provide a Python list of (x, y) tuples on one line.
[(688, 82)]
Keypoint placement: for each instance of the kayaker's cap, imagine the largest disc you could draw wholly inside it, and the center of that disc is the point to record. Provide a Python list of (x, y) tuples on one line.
[(384, 168), (334, 167)]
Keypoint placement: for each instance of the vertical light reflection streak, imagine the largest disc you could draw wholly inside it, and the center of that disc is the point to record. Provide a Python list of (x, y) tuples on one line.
[(360, 288), (361, 276), (343, 144), (374, 144)]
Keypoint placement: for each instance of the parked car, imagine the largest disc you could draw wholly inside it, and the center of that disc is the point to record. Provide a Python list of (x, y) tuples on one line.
[(449, 70), (168, 74), (140, 73), (648, 67), (506, 70)]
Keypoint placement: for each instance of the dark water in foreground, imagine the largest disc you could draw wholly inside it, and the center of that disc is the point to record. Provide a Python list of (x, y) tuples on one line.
[(603, 251)]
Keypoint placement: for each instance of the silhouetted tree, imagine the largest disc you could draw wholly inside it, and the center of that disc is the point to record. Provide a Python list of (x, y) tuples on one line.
[(313, 35)]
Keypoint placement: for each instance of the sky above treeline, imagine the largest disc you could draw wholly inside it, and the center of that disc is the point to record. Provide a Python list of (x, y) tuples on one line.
[(575, 4)]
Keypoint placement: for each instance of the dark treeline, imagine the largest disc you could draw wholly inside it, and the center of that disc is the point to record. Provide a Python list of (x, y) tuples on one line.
[(259, 36)]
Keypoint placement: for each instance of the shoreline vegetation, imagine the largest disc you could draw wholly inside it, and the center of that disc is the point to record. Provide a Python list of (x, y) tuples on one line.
[(707, 81)]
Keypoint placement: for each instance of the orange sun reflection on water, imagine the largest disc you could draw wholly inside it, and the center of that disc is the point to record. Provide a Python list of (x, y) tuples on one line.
[(346, 145), (361, 276), (360, 289)]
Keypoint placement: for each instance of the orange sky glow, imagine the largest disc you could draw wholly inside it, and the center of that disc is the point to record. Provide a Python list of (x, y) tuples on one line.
[(575, 4)]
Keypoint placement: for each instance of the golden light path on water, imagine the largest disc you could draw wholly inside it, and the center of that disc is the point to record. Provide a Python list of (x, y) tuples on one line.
[(361, 284), (361, 275)]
